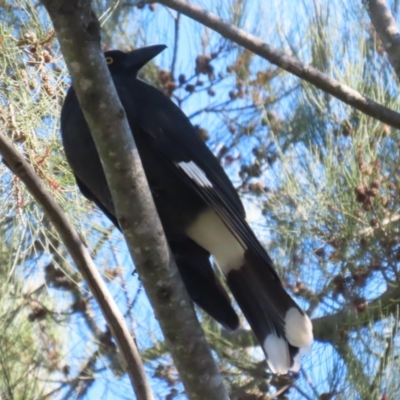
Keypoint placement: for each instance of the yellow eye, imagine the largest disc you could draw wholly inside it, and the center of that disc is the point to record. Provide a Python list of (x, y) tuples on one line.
[(109, 60)]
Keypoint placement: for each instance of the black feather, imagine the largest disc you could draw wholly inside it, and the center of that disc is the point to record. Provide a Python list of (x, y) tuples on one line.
[(165, 139)]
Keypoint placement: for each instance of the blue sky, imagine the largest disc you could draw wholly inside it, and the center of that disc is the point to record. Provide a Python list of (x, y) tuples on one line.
[(278, 23)]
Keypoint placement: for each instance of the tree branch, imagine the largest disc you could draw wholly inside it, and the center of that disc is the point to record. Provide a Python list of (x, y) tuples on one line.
[(356, 365), (21, 168), (330, 327), (386, 28), (177, 22), (326, 329), (286, 62), (78, 33)]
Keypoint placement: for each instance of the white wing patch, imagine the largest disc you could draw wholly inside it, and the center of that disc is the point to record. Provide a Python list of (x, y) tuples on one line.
[(209, 231), (195, 173)]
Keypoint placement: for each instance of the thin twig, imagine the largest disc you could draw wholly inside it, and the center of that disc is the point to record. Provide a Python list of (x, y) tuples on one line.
[(356, 368), (24, 171), (384, 360), (177, 21), (302, 392), (369, 231), (288, 63)]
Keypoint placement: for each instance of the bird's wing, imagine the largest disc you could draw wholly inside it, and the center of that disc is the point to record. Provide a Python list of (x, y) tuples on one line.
[(174, 138), (201, 282), (281, 327), (91, 197)]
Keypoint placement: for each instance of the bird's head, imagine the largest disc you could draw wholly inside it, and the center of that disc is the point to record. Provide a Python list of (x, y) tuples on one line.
[(132, 61)]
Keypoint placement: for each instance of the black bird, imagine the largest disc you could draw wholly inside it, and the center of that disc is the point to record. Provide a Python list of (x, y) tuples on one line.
[(199, 208)]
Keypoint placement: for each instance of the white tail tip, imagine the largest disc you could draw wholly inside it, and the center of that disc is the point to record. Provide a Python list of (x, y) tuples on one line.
[(298, 329), (298, 333), (277, 351)]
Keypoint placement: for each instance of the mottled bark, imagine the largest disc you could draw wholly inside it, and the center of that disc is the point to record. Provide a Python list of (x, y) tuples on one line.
[(78, 32), (386, 28)]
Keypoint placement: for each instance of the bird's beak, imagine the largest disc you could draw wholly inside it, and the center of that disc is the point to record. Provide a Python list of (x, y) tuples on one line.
[(138, 58)]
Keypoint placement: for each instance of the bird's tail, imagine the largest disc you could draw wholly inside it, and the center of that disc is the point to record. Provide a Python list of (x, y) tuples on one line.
[(282, 328)]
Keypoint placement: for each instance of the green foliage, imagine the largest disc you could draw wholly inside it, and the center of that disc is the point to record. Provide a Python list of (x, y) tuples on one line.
[(320, 180)]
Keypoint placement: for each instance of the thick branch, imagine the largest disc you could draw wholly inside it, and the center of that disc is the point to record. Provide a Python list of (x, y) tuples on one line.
[(126, 344), (286, 62), (386, 28), (78, 32), (327, 328)]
